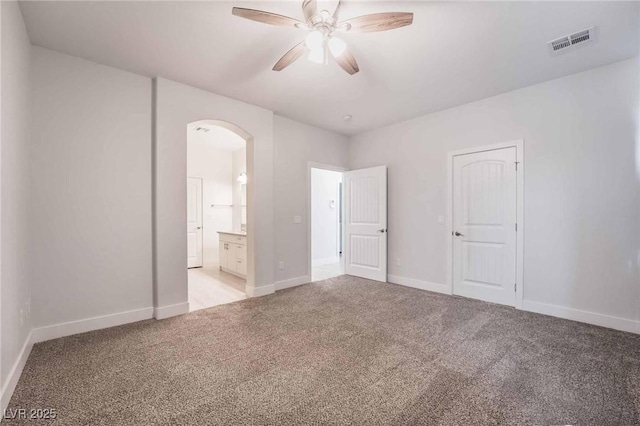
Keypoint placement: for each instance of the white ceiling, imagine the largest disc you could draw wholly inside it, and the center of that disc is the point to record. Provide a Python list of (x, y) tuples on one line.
[(217, 137), (454, 53)]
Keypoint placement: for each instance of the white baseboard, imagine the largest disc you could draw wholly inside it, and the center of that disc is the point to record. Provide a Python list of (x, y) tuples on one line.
[(263, 290), (325, 261), (419, 284), (169, 311), (292, 282), (90, 324), (14, 374), (617, 323)]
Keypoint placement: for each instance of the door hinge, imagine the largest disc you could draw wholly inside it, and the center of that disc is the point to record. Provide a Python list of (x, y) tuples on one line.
[(517, 162), (516, 227), (515, 287)]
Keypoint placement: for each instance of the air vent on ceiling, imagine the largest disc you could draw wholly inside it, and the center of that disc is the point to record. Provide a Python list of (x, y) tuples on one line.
[(567, 42)]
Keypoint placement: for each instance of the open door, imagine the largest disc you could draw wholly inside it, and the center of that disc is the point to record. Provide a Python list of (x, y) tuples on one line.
[(194, 222), (366, 223)]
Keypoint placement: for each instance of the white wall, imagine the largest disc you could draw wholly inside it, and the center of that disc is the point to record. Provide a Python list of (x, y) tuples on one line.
[(90, 189), (15, 122), (214, 167), (582, 202), (177, 105), (325, 216), (296, 145), (239, 202)]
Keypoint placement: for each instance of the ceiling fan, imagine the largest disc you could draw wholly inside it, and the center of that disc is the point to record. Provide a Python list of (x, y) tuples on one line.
[(322, 26)]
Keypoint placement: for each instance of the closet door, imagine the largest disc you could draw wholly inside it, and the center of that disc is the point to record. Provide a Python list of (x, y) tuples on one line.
[(484, 225)]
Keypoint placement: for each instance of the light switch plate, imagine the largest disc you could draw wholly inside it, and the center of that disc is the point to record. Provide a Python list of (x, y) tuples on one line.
[(297, 219)]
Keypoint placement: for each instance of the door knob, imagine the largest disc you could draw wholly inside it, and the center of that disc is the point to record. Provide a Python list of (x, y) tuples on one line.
[(382, 231), (459, 234), (199, 227)]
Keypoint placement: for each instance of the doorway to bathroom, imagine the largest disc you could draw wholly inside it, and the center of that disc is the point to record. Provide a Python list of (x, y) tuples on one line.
[(216, 215)]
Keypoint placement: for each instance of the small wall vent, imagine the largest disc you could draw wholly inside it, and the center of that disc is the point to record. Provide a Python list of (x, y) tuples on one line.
[(570, 41)]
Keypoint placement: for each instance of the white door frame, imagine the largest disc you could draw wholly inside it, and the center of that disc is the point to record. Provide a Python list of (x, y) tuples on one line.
[(313, 165), (519, 145), (250, 289)]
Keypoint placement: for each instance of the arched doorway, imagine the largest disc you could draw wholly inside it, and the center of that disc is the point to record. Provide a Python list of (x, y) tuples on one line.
[(217, 239), (176, 106)]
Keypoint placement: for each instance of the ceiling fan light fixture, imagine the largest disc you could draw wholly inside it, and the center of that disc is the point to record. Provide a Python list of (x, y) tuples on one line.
[(314, 40), (318, 56), (337, 46)]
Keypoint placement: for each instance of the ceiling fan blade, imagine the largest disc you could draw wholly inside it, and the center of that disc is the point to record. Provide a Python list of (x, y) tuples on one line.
[(290, 57), (309, 9), (336, 13), (347, 62), (265, 17), (377, 22)]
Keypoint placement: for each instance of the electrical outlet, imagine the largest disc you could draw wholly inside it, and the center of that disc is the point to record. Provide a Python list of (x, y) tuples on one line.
[(398, 261), (281, 265), (297, 219), (441, 220)]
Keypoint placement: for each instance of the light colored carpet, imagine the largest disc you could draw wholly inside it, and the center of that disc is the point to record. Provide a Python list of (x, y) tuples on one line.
[(341, 351)]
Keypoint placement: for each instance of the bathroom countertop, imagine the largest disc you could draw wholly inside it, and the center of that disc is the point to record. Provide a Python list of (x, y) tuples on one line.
[(240, 234)]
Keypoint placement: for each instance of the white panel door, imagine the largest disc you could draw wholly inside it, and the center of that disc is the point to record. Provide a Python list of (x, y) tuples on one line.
[(194, 222), (484, 225), (366, 223)]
